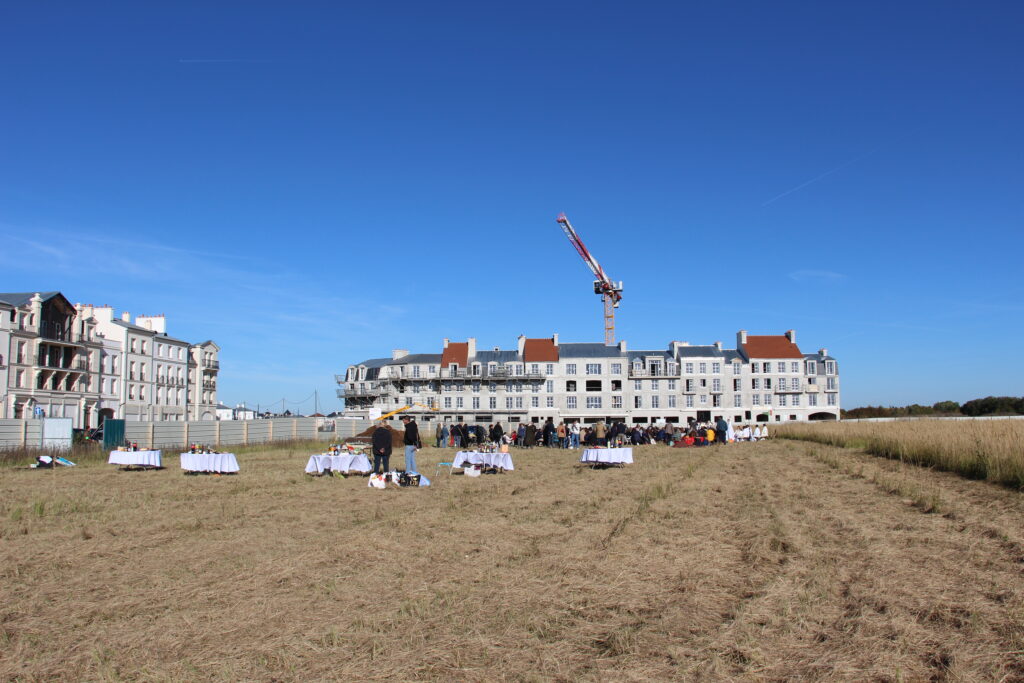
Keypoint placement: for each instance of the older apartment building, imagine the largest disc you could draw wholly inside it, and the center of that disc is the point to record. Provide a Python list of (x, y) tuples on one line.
[(765, 378), (82, 362)]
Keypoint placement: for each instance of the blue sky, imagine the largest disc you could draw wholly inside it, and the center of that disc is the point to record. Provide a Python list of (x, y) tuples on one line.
[(315, 183)]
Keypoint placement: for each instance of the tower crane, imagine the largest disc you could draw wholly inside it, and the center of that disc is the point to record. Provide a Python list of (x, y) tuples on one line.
[(610, 291)]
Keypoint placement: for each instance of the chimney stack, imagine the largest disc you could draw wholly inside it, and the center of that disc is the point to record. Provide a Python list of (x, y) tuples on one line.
[(622, 346), (446, 340), (126, 317), (822, 352), (399, 353), (718, 345), (554, 338), (741, 339), (471, 347), (521, 344), (791, 336)]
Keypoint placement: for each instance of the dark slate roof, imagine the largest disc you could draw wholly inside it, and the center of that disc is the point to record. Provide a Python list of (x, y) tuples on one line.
[(19, 299), (164, 335), (633, 355), (732, 355), (496, 356), (815, 356), (375, 363), (588, 350), (710, 351), (132, 327), (418, 358)]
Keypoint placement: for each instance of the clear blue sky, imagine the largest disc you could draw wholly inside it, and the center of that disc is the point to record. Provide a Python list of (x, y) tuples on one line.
[(315, 183)]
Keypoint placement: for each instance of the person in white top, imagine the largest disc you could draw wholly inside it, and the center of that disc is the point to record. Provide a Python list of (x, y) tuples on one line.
[(757, 433), (764, 432)]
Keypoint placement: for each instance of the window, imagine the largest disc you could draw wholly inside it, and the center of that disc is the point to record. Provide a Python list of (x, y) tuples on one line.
[(616, 385), (593, 368), (716, 385), (830, 384), (654, 385), (756, 399), (716, 401), (432, 370), (20, 378), (689, 400), (570, 402), (766, 368), (448, 402), (549, 369), (519, 368), (830, 367), (616, 368), (549, 386), (767, 382), (593, 402), (655, 401), (672, 401), (737, 401), (415, 371), (655, 368), (782, 366), (703, 399), (519, 401), (476, 387), (476, 402), (673, 369), (796, 399), (570, 385), (616, 402), (716, 368), (459, 403), (535, 402), (638, 385), (767, 399), (492, 387), (570, 368), (132, 346), (143, 349), (812, 400), (831, 399), (535, 388), (754, 367), (702, 367), (782, 400), (593, 385), (535, 368), (755, 383), (689, 368), (492, 402), (671, 385), (794, 367), (550, 401), (736, 367), (508, 402), (638, 401), (812, 367), (736, 384), (688, 385)]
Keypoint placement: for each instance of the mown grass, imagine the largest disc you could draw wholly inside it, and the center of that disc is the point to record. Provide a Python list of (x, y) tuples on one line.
[(991, 450)]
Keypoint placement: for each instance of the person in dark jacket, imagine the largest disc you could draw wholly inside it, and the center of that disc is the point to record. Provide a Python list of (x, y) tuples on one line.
[(721, 430), (531, 435), (549, 433), (497, 433), (381, 449), (411, 440)]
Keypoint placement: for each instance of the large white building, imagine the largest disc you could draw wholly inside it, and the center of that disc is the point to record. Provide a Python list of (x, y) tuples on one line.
[(764, 378), (82, 362)]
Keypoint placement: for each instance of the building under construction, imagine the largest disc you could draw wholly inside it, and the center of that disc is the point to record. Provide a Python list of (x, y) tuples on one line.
[(765, 378)]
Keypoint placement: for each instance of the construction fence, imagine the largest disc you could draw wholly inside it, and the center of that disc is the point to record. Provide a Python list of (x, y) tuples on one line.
[(56, 432)]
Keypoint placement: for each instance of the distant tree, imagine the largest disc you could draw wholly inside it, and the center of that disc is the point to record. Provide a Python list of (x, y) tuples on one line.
[(994, 405), (946, 407)]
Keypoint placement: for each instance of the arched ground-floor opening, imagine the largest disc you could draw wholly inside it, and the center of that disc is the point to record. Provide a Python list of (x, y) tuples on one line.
[(822, 416)]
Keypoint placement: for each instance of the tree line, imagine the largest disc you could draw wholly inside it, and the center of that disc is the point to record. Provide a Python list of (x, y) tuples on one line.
[(990, 405)]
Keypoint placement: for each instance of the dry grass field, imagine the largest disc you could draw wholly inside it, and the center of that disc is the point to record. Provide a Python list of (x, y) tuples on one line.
[(769, 561), (978, 449)]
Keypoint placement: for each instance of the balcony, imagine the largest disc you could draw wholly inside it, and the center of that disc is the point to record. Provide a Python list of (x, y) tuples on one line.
[(651, 372), (215, 365)]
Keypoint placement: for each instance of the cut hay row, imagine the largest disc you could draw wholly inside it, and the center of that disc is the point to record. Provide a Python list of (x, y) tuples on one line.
[(992, 450)]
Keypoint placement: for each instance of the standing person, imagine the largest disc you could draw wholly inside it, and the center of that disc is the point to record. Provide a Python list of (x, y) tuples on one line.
[(561, 435), (521, 435), (412, 442), (457, 435), (438, 436), (721, 430), (531, 435), (381, 444), (549, 432), (444, 436), (601, 432), (574, 435), (498, 432)]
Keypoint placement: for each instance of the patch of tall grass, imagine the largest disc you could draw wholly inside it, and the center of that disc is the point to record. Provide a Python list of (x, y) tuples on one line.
[(992, 450)]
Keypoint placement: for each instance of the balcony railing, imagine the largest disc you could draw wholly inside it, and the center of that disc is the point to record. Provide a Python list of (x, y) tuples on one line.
[(652, 372), (213, 364), (212, 386)]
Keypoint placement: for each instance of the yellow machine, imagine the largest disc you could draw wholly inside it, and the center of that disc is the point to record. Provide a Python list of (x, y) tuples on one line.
[(395, 412)]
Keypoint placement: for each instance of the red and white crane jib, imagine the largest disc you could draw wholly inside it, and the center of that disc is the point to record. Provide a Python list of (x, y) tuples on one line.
[(603, 284)]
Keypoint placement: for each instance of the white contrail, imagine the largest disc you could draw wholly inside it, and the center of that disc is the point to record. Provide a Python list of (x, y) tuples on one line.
[(823, 175)]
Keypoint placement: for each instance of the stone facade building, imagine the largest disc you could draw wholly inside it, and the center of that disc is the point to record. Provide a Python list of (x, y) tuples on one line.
[(81, 362), (764, 378)]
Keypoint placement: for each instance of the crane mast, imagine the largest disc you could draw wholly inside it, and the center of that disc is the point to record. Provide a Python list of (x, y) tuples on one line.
[(610, 291)]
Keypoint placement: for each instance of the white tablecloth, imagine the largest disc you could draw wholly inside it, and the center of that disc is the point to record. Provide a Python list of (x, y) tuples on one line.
[(151, 458), (618, 456), (338, 463), (502, 460), (209, 462)]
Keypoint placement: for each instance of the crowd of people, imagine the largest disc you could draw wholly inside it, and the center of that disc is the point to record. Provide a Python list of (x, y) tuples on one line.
[(574, 435)]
